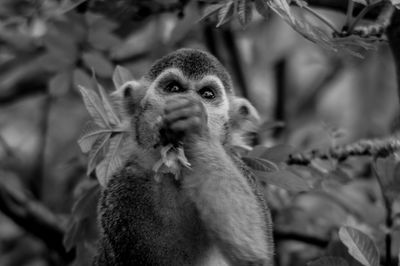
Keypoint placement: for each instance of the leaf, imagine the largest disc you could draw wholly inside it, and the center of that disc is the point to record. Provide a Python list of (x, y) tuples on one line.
[(61, 46), (112, 160), (338, 175), (103, 40), (259, 164), (282, 8), (97, 152), (60, 83), (100, 64), (224, 13), (84, 208), (183, 26), (284, 179), (108, 107), (121, 76), (172, 159), (81, 78), (90, 134), (276, 154), (388, 171), (360, 246), (322, 36), (95, 107), (263, 8), (84, 205), (68, 5), (328, 261), (103, 139), (100, 22), (244, 12), (211, 9), (337, 249), (301, 3)]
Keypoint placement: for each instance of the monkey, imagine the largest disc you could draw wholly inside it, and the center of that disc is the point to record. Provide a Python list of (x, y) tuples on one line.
[(213, 214)]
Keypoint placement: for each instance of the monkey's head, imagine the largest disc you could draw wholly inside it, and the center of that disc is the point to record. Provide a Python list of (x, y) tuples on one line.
[(186, 73)]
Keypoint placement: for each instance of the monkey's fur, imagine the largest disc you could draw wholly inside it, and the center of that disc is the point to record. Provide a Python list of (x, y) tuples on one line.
[(211, 215)]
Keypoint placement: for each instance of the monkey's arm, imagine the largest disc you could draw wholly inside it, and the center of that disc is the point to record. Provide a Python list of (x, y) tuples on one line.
[(227, 204)]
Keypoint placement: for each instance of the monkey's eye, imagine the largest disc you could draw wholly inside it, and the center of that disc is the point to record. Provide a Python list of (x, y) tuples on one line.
[(173, 87), (207, 93)]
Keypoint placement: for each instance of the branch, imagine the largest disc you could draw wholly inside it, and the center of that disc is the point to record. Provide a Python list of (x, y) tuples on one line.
[(35, 218), (128, 10), (376, 148), (231, 46), (22, 77), (319, 88), (389, 213), (36, 183), (393, 33), (280, 93), (307, 239), (341, 6)]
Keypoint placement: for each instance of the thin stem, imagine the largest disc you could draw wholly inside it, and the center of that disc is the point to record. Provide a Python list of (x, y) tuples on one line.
[(389, 222), (349, 14), (231, 46), (38, 181), (322, 19)]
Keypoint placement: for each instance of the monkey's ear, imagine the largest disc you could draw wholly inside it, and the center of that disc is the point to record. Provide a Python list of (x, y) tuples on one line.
[(244, 110), (130, 94), (127, 90)]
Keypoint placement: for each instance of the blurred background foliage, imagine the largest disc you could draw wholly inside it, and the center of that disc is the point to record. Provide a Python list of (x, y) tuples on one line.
[(322, 97)]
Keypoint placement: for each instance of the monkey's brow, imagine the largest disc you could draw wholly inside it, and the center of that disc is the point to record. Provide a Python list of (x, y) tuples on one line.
[(168, 77), (213, 81)]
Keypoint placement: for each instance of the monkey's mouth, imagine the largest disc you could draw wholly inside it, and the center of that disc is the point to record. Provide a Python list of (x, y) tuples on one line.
[(166, 137)]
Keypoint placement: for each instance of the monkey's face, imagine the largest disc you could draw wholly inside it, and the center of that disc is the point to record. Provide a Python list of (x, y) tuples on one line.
[(173, 85), (193, 78)]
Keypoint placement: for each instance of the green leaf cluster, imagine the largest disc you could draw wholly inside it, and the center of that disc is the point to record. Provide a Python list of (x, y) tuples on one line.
[(103, 138)]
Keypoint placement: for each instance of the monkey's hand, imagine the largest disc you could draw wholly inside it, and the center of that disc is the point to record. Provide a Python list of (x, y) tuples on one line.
[(185, 120)]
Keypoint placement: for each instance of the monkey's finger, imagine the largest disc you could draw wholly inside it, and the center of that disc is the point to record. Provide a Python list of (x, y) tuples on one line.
[(178, 103), (179, 114), (184, 125)]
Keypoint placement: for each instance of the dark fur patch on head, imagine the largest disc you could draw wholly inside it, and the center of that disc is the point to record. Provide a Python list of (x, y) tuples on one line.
[(194, 64)]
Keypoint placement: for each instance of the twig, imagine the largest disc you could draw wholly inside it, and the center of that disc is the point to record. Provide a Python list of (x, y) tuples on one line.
[(280, 92), (320, 87), (349, 15), (389, 221), (393, 33), (34, 218), (377, 148), (342, 6), (22, 77), (37, 182), (308, 239), (234, 53)]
